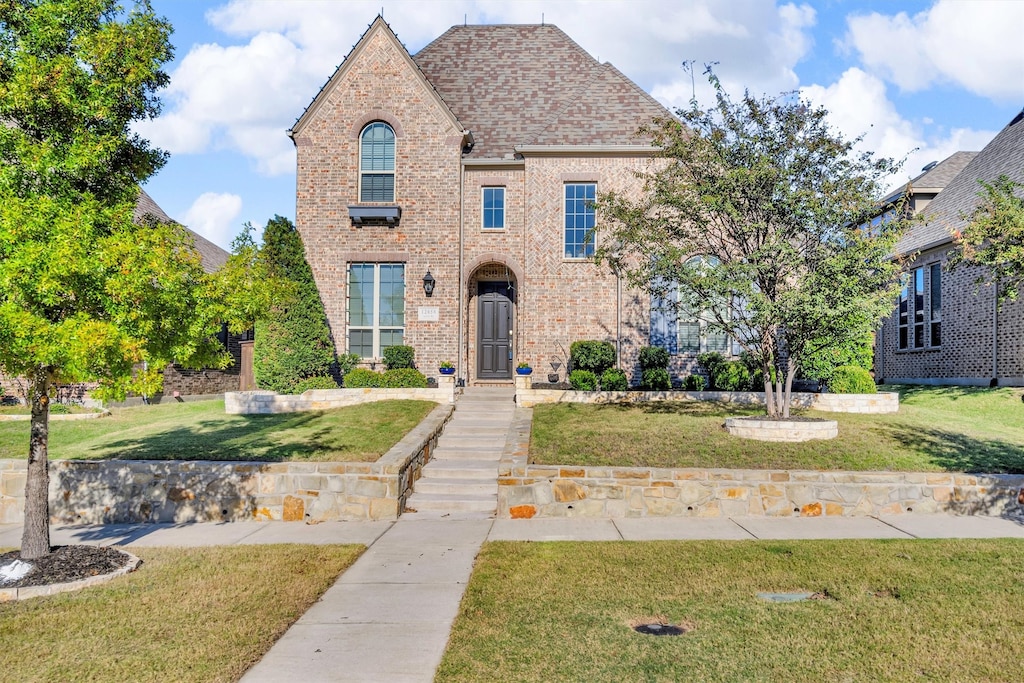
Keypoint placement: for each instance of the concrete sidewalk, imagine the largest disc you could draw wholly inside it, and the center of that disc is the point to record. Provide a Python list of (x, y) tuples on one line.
[(388, 617)]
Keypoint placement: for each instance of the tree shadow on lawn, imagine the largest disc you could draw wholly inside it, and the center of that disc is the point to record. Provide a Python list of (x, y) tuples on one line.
[(251, 438), (691, 408), (957, 452)]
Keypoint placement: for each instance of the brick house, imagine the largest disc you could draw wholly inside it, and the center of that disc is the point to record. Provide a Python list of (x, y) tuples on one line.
[(444, 199), (945, 328)]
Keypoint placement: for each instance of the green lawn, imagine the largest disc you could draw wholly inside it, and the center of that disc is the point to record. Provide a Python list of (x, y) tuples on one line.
[(188, 614), (897, 611), (937, 428), (202, 431)]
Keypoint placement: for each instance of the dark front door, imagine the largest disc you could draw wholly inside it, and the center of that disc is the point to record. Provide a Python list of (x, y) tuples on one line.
[(494, 338)]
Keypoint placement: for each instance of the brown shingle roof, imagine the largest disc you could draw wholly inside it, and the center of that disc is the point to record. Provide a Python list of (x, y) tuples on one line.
[(213, 256), (935, 178), (532, 84), (948, 212)]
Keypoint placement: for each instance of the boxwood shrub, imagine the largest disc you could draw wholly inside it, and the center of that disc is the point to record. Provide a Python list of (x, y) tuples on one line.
[(361, 378), (694, 383), (655, 379), (614, 379), (653, 357), (398, 357), (595, 356), (403, 378), (583, 380)]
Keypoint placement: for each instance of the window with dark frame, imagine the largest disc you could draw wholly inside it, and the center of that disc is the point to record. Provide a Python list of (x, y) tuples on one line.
[(935, 304), (377, 163), (904, 313), (918, 308)]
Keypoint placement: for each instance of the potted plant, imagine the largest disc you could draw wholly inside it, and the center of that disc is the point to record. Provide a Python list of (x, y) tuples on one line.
[(523, 368), (447, 367)]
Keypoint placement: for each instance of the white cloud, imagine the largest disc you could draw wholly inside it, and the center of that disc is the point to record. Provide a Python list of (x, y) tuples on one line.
[(858, 105), (973, 45), (243, 97), (213, 216)]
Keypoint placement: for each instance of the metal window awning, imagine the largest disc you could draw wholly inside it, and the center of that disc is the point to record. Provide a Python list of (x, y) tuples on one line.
[(391, 215)]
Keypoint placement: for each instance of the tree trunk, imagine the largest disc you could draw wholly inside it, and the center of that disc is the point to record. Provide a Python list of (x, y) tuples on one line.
[(790, 371), (35, 539)]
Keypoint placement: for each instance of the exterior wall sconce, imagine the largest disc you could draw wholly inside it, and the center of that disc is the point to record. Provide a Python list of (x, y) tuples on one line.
[(428, 283)]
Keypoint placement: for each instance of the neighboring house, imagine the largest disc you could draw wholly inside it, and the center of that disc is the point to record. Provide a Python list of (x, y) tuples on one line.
[(945, 328), (445, 199), (179, 381)]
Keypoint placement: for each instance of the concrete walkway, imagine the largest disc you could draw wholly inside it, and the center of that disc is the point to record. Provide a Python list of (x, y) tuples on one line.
[(388, 617)]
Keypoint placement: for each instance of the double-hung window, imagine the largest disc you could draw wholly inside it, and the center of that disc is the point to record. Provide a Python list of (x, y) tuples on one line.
[(679, 328), (494, 208), (580, 219), (377, 163), (376, 308)]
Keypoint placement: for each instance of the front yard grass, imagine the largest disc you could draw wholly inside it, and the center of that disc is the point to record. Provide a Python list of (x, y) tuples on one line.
[(201, 430), (960, 429), (895, 611), (188, 614)]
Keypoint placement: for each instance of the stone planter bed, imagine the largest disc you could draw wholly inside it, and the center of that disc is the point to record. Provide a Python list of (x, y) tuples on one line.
[(127, 491), (791, 430), (269, 402)]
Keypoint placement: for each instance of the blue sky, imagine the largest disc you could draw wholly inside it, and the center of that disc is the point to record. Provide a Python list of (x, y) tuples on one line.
[(917, 79)]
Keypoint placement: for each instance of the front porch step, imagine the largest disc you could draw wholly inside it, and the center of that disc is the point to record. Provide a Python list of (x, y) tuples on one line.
[(445, 502), (459, 469), (459, 454), (458, 486)]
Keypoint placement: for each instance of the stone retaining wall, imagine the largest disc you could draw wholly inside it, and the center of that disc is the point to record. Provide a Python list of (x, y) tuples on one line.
[(526, 491), (267, 402), (883, 402), (122, 491)]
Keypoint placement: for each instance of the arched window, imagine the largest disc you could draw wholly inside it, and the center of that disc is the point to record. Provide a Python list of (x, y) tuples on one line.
[(377, 163)]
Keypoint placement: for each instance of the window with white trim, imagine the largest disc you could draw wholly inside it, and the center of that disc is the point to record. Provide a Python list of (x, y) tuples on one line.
[(580, 219), (493, 208), (377, 163), (376, 307)]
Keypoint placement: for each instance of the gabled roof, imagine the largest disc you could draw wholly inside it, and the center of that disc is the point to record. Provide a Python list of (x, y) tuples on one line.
[(532, 84), (213, 257), (951, 209), (934, 179)]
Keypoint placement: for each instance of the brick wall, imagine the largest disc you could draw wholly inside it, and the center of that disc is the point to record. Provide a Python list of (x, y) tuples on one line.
[(969, 318)]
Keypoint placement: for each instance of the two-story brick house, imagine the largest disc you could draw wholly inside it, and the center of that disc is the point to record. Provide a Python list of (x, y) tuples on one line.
[(474, 161), (945, 328)]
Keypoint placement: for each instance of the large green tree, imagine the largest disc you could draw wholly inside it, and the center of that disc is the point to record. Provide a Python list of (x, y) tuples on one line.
[(293, 346), (994, 237), (755, 222), (86, 293)]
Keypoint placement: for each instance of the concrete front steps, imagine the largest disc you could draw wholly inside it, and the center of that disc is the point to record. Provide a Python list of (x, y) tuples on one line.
[(461, 480)]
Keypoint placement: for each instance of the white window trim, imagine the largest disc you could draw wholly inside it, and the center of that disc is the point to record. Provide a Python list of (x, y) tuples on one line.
[(376, 327), (504, 208), (577, 259)]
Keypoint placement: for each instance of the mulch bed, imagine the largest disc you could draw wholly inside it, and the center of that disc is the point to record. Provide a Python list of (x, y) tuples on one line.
[(67, 563)]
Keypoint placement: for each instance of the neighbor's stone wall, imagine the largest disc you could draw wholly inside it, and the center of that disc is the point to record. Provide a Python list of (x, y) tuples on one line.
[(526, 491), (882, 402), (969, 319), (127, 491)]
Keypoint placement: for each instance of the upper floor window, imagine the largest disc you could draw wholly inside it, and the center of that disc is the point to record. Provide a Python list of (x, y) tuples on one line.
[(914, 314), (579, 219), (494, 208), (935, 308), (377, 163)]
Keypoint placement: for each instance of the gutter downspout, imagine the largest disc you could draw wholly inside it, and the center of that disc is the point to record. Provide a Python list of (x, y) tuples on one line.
[(462, 345)]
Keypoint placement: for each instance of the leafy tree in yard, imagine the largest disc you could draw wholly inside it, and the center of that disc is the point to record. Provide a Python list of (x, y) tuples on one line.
[(86, 294), (994, 238), (771, 199), (293, 344)]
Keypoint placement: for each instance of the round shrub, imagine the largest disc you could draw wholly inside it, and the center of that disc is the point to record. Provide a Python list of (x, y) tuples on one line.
[(595, 356), (655, 379), (652, 357), (583, 380), (850, 379), (731, 375), (694, 383), (321, 382), (399, 357), (614, 379), (403, 378), (711, 362), (361, 378)]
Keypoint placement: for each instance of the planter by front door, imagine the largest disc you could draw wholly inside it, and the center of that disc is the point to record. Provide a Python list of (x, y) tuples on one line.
[(494, 330)]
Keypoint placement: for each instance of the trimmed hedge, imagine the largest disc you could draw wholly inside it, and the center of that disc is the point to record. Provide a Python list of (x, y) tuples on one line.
[(595, 356), (655, 379), (361, 378), (653, 357), (583, 380), (614, 379), (399, 357), (694, 383), (403, 378)]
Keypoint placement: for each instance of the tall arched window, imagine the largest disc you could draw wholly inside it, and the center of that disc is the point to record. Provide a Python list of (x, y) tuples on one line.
[(377, 163)]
